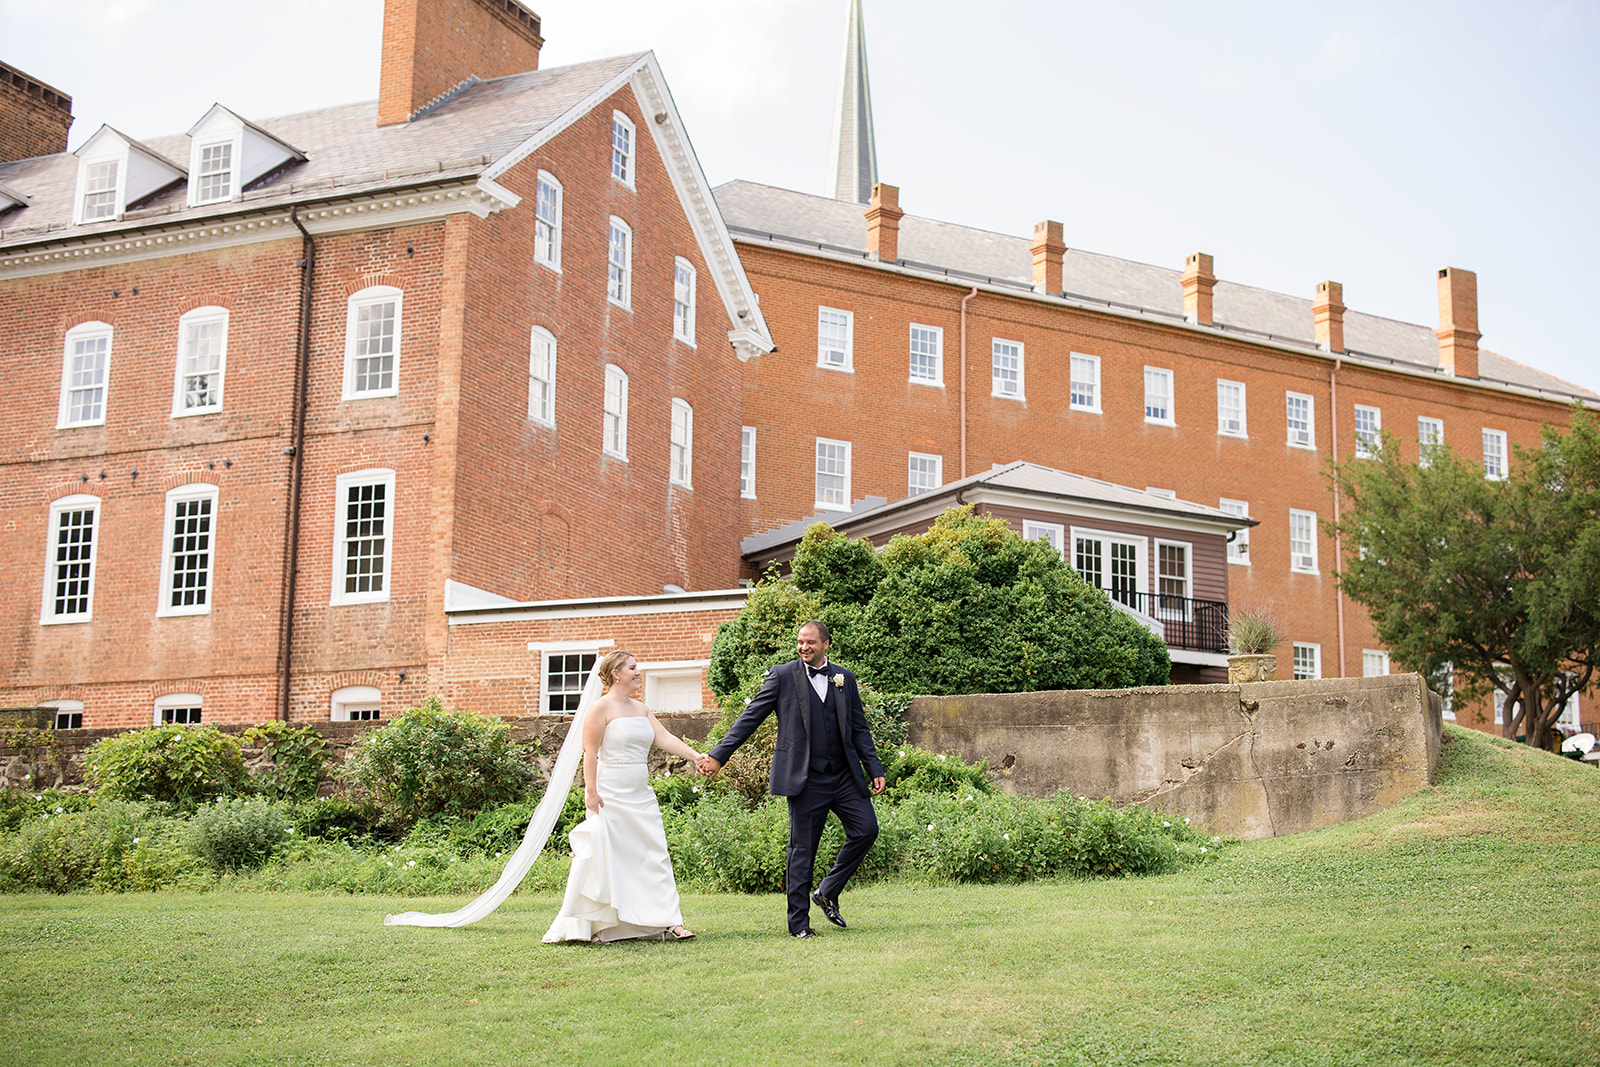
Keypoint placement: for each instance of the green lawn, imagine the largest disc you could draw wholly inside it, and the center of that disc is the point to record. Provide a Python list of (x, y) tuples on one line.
[(1461, 927)]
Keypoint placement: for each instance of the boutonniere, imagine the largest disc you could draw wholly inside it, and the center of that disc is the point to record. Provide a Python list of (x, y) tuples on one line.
[(838, 681)]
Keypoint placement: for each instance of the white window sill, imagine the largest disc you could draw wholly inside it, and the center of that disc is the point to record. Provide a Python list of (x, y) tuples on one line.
[(747, 496), (171, 613), (1301, 570), (1086, 411), (1160, 422), (1302, 447), (375, 395), (1235, 436), (680, 485), (1239, 562), (548, 424), (847, 368), (618, 456), (547, 265), (64, 620), (820, 506), (934, 382), (189, 413), (618, 304), (79, 425), (358, 598), (1009, 396)]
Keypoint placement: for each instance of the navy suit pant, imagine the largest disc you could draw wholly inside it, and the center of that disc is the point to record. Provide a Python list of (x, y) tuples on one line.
[(837, 792)]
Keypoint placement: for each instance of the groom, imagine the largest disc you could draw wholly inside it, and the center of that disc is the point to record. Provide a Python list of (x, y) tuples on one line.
[(822, 743)]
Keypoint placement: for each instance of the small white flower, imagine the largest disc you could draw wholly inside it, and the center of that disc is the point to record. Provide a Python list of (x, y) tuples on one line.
[(288, 829), (412, 863), (694, 789), (1005, 837), (941, 755), (452, 859), (902, 756), (969, 796), (386, 863), (136, 840), (61, 811), (1202, 850), (497, 855), (838, 681), (1214, 840), (1186, 821), (930, 827)]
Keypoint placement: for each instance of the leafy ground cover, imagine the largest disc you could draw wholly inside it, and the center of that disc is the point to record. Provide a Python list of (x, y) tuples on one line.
[(1459, 927)]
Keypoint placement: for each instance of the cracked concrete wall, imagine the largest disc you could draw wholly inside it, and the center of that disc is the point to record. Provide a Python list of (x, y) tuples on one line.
[(1248, 761)]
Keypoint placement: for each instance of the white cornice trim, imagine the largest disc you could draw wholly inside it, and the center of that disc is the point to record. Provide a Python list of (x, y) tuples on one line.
[(602, 607), (378, 211)]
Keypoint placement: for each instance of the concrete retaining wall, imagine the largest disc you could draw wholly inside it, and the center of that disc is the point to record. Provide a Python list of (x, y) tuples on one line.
[(1248, 761)]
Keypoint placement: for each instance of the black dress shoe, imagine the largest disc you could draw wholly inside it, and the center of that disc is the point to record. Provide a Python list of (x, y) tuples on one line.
[(806, 933), (830, 908)]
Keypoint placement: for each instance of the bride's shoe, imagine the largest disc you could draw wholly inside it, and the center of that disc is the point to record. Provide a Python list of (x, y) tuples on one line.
[(678, 933)]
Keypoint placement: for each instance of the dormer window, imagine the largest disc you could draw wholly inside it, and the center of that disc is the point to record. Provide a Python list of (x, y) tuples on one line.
[(100, 190), (214, 177), (115, 173), (228, 153)]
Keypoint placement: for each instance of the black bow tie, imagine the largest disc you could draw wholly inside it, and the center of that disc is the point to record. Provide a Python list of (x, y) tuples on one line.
[(814, 671)]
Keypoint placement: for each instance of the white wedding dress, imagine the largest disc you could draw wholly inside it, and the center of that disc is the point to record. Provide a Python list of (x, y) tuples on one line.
[(621, 884)]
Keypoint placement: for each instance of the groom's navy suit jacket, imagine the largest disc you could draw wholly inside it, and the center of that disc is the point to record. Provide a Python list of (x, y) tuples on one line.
[(788, 691)]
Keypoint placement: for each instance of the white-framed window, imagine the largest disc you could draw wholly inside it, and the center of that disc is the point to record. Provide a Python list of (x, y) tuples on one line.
[(85, 366), (833, 474), (99, 190), (1113, 562), (1173, 588), (835, 338), (1430, 436), (1158, 396), (1303, 541), (683, 281), (622, 142), (1230, 408), (1085, 385), (214, 180), (1053, 532), (1494, 454), (924, 471), (1300, 412), (681, 445), (372, 343), (542, 376), (363, 536), (1239, 543), (1369, 423), (355, 703), (1307, 660), (1007, 370), (1374, 663), (564, 668), (202, 362), (69, 714), (747, 462), (69, 570), (547, 221), (927, 354), (619, 264), (614, 418), (181, 709), (188, 556)]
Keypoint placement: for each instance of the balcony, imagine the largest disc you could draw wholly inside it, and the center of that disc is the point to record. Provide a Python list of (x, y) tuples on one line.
[(1182, 622)]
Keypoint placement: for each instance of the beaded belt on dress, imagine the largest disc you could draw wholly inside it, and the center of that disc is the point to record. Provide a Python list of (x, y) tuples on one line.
[(622, 762)]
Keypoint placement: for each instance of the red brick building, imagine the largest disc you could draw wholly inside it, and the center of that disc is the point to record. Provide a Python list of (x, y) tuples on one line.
[(288, 392)]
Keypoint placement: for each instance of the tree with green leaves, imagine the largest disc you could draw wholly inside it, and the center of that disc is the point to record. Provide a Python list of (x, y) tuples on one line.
[(1498, 578), (967, 607)]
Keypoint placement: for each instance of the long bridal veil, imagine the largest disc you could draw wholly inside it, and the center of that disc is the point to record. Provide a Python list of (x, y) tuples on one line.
[(539, 827)]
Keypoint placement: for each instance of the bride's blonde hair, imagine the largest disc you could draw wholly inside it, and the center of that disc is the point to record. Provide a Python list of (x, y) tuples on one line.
[(609, 665)]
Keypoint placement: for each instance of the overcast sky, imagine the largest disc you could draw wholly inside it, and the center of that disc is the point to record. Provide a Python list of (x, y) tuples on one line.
[(1370, 143)]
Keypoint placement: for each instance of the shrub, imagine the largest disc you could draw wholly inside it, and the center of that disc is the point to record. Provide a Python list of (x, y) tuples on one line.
[(726, 845), (298, 755), (498, 829), (912, 771), (183, 765), (334, 819), (238, 834), (17, 808), (430, 760), (114, 846)]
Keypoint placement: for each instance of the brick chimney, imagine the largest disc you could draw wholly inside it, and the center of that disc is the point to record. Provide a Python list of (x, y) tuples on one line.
[(1198, 281), (883, 222), (1048, 247), (430, 47), (1458, 322), (34, 117), (1328, 308)]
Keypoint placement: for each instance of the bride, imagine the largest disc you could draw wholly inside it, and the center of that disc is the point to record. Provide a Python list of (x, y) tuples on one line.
[(621, 883)]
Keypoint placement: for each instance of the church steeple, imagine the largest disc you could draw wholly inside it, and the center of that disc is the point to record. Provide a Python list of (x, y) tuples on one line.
[(855, 151)]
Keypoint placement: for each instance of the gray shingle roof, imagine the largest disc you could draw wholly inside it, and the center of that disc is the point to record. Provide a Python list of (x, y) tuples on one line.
[(762, 211), (346, 151)]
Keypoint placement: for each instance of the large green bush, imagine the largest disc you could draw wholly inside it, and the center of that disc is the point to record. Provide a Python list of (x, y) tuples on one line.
[(967, 607), (239, 834), (182, 765), (430, 760)]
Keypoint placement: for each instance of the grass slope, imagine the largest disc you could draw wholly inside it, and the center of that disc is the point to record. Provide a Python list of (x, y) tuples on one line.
[(1459, 927)]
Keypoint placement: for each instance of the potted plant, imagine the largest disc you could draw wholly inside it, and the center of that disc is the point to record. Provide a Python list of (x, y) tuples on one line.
[(1252, 635)]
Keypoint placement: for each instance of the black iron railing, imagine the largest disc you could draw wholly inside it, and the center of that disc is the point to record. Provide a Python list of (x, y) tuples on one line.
[(1201, 625)]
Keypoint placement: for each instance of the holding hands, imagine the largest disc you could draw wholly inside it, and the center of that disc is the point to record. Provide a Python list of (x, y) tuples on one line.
[(708, 766)]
